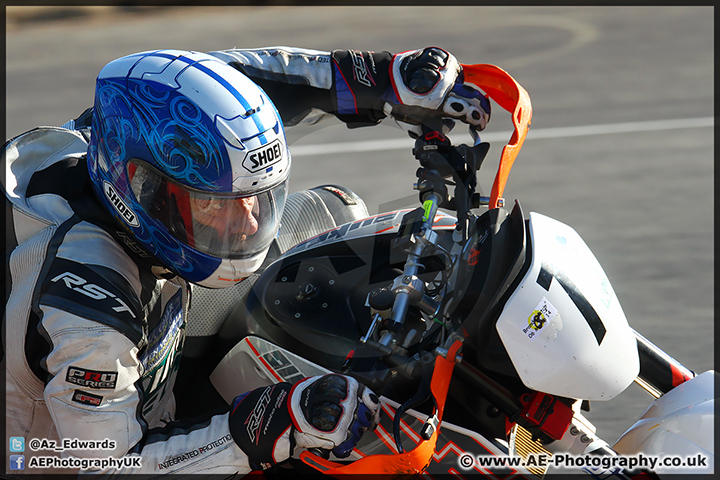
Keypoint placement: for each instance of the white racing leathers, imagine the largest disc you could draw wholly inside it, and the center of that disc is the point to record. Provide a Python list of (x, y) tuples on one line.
[(93, 331), (93, 341)]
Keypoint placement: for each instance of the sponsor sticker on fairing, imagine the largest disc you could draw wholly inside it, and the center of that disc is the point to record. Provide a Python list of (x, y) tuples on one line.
[(543, 313)]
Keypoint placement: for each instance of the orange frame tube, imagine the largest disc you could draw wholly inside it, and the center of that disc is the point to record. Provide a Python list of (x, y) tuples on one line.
[(511, 96)]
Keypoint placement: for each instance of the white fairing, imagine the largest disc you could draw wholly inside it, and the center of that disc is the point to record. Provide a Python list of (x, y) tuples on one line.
[(678, 424), (563, 327), (254, 362)]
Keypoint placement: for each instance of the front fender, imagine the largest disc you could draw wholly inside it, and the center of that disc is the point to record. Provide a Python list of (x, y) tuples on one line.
[(678, 425)]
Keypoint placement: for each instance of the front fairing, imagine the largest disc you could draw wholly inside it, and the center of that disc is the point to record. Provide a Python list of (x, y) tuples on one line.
[(563, 326)]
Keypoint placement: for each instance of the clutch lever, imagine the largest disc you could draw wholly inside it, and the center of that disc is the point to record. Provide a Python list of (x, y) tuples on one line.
[(320, 452)]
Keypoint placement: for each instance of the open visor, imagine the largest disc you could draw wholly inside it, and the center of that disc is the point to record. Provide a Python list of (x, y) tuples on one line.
[(224, 225)]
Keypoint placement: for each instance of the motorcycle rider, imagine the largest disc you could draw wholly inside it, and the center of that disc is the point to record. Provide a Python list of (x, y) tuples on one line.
[(176, 176)]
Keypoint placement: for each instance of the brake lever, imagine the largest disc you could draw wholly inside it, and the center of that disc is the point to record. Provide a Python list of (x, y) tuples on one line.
[(421, 395)]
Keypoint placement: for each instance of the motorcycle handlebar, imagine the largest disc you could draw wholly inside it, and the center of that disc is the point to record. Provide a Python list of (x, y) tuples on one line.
[(402, 296)]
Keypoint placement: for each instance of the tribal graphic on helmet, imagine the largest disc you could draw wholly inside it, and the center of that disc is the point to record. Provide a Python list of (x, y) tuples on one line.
[(191, 156)]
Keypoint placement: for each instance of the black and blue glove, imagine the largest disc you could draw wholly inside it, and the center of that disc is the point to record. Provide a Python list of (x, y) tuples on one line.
[(412, 87), (329, 412)]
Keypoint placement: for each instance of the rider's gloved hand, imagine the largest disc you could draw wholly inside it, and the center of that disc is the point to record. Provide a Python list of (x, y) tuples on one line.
[(329, 412), (430, 81), (412, 87)]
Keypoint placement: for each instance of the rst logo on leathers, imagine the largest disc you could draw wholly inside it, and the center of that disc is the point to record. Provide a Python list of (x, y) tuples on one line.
[(254, 421), (360, 70), (119, 204), (80, 285), (263, 157)]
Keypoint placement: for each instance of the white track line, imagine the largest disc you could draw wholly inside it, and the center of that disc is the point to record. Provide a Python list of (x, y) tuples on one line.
[(542, 133)]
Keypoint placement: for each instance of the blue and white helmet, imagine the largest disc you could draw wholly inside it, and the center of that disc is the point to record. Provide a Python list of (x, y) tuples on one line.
[(191, 156)]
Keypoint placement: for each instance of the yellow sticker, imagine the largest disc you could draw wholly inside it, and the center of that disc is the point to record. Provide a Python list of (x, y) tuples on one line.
[(542, 314)]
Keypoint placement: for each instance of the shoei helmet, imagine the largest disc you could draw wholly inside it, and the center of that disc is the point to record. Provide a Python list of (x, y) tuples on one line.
[(190, 155)]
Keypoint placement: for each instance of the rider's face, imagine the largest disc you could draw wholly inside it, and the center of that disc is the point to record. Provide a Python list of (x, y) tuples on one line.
[(226, 216)]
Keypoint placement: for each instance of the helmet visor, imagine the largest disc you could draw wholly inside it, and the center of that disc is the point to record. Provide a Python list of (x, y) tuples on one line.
[(224, 225)]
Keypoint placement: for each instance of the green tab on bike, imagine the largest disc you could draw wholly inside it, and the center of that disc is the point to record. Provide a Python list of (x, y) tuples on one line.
[(427, 207)]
